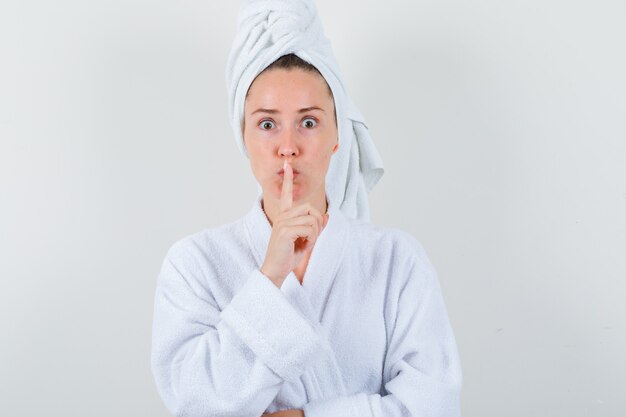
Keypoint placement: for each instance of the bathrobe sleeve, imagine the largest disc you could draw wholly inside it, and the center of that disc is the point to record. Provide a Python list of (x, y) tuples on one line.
[(208, 362), (422, 370)]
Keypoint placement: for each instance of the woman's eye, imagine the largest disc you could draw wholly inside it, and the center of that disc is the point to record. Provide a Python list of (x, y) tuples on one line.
[(309, 123), (267, 124)]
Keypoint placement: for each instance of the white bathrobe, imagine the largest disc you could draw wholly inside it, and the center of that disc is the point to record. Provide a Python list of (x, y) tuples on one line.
[(365, 335)]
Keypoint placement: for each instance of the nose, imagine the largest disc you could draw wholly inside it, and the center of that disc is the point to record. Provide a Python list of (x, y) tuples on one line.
[(288, 145)]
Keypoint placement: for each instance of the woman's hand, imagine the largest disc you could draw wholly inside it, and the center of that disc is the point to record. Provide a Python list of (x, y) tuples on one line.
[(286, 413), (294, 233)]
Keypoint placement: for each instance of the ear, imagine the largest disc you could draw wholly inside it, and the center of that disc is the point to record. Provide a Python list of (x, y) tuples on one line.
[(243, 131)]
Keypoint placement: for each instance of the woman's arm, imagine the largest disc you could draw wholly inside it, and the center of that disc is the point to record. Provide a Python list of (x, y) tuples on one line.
[(232, 362), (422, 370), (286, 413)]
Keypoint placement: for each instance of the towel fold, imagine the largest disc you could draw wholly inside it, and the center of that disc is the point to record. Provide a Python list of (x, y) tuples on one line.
[(269, 29)]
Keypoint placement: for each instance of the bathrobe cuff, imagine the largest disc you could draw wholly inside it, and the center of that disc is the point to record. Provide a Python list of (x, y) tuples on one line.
[(350, 406), (273, 329)]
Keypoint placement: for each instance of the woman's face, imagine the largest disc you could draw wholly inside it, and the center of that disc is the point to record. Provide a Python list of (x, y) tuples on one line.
[(289, 114)]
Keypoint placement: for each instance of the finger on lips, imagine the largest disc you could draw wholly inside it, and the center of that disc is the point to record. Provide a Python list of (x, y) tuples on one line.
[(286, 200)]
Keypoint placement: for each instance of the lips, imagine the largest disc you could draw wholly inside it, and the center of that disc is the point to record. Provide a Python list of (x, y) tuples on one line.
[(295, 172), (295, 175)]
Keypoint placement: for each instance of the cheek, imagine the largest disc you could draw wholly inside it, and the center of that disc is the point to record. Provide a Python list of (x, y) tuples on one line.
[(261, 161)]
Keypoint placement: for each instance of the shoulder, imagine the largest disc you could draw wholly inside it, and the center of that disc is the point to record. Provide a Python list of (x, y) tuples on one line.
[(404, 253), (204, 247), (386, 238)]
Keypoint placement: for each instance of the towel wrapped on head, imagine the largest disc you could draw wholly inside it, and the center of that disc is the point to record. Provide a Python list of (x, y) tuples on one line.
[(269, 29)]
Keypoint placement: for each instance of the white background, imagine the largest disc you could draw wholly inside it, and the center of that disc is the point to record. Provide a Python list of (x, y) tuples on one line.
[(502, 129)]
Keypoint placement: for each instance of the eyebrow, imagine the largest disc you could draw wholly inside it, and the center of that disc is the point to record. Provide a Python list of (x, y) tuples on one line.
[(274, 111)]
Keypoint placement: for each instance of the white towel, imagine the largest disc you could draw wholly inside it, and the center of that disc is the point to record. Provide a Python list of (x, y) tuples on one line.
[(269, 29)]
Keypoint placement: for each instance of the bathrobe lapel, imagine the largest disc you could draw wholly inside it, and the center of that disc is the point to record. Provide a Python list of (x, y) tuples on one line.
[(309, 298)]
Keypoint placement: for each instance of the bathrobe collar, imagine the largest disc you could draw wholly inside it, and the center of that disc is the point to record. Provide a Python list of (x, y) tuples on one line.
[(325, 257)]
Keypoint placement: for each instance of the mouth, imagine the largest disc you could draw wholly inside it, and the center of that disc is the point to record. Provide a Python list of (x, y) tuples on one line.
[(282, 172), (282, 175)]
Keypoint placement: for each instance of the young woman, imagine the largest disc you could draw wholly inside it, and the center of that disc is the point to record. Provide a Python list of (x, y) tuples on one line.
[(300, 308)]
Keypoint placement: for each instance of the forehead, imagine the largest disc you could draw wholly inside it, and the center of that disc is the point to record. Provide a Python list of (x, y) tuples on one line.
[(286, 87)]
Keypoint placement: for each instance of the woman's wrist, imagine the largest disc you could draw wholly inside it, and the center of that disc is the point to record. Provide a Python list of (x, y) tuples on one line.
[(277, 281), (286, 413)]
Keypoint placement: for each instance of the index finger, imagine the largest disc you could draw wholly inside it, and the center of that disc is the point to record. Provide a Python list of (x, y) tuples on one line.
[(286, 196)]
